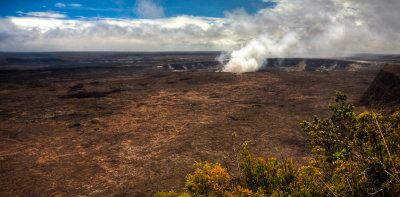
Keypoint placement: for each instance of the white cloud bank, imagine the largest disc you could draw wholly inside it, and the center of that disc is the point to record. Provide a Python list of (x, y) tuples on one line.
[(165, 34), (291, 28)]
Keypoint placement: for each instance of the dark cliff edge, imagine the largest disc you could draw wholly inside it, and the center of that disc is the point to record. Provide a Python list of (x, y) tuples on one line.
[(384, 91)]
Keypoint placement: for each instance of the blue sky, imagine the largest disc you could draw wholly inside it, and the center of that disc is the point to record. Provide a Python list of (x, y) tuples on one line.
[(126, 8), (252, 28)]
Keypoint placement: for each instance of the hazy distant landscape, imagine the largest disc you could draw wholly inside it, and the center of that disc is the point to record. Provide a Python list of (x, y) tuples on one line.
[(134, 123)]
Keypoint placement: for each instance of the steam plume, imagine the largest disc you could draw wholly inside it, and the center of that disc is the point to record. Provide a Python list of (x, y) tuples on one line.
[(316, 28)]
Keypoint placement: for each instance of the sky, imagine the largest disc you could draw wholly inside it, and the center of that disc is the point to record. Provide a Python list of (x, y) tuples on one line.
[(128, 8), (250, 30)]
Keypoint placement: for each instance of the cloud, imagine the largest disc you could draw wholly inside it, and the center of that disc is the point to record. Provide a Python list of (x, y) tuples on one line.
[(20, 13), (148, 9), (308, 28), (75, 5), (60, 5), (49, 14), (164, 34)]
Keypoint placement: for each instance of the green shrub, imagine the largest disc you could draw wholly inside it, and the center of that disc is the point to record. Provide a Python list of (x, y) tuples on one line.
[(354, 155), (358, 154), (333, 134)]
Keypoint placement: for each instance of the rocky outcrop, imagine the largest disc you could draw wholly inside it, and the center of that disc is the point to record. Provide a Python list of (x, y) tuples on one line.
[(384, 92)]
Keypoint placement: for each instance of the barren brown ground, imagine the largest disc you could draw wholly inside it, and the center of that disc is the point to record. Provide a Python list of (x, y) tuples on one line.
[(129, 132)]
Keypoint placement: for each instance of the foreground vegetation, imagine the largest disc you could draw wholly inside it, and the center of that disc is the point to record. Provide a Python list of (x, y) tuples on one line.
[(354, 155)]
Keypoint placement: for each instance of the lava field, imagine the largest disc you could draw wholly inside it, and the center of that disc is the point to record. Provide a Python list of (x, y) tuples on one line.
[(132, 124)]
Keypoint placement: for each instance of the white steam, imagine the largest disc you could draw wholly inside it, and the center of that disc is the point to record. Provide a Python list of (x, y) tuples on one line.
[(251, 57), (316, 28)]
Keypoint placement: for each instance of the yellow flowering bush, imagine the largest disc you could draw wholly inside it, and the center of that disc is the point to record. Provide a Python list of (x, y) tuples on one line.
[(208, 180), (354, 155)]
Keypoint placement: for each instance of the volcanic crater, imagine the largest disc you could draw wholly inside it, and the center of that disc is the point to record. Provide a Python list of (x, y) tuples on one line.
[(132, 124)]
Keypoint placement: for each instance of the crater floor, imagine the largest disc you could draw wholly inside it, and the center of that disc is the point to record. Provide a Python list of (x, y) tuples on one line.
[(123, 130)]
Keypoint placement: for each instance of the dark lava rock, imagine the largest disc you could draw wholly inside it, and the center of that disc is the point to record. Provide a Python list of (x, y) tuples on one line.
[(384, 92), (84, 94)]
